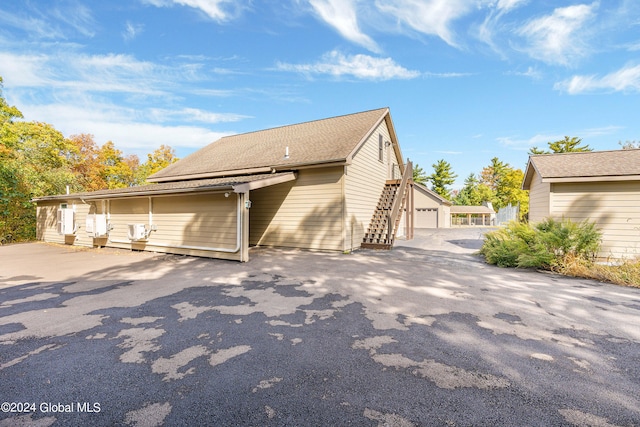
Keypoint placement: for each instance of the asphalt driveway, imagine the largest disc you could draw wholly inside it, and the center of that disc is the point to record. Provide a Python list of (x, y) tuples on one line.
[(426, 334)]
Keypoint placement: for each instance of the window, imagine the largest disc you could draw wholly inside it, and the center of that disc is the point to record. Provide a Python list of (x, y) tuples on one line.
[(380, 148)]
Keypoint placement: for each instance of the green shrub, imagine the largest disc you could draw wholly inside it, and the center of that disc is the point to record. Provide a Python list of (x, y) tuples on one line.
[(544, 245)]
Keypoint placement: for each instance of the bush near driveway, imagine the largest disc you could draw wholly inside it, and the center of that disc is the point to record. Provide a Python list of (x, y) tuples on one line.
[(543, 245), (565, 247)]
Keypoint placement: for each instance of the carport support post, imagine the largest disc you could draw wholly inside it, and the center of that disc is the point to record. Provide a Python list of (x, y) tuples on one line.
[(244, 229)]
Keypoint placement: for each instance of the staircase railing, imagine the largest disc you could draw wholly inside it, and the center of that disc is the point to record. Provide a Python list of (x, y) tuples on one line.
[(397, 202)]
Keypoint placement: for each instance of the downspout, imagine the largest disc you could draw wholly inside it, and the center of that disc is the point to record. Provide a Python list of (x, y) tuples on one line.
[(198, 248)]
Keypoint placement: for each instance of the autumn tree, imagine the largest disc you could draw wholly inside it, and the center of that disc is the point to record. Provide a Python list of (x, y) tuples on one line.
[(474, 193), (441, 178), (116, 169), (566, 145), (86, 165), (505, 186), (156, 161), (35, 160)]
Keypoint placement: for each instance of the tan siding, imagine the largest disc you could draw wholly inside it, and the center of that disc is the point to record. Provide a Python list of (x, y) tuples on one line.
[(305, 213), (81, 236), (614, 206), (538, 199), (207, 221), (204, 220), (364, 180), (47, 222), (123, 212), (423, 200)]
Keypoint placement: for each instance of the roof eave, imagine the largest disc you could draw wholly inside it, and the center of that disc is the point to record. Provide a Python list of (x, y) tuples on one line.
[(238, 172), (528, 174), (607, 178)]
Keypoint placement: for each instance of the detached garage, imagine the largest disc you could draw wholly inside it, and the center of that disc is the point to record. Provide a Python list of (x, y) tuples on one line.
[(601, 187), (430, 209)]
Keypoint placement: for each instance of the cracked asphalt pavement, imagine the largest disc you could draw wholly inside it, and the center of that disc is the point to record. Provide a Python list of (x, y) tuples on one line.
[(424, 335)]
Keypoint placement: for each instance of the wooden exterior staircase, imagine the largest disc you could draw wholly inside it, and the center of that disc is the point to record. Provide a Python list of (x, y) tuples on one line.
[(396, 194)]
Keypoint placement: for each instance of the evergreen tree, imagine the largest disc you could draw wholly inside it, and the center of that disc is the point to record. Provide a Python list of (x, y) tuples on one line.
[(566, 145), (441, 178), (419, 175)]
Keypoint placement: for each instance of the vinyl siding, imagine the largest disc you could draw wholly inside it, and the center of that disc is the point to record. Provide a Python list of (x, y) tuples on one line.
[(364, 180), (46, 229), (305, 213), (422, 200), (614, 206), (539, 199), (207, 220), (47, 223)]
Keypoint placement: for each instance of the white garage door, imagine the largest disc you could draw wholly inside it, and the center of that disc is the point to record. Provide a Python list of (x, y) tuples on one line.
[(426, 218)]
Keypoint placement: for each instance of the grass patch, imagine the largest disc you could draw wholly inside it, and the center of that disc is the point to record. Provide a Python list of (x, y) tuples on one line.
[(564, 247), (627, 273)]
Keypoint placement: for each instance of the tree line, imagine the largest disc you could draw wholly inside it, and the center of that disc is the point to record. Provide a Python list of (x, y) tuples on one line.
[(38, 160), (498, 183)]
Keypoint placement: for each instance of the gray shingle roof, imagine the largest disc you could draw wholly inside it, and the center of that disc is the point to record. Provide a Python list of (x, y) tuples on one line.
[(172, 187), (592, 165), (321, 141), (588, 164)]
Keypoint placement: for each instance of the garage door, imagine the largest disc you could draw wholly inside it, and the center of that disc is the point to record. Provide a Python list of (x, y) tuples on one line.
[(426, 218)]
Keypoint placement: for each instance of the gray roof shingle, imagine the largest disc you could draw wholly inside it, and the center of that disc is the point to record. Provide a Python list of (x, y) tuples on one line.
[(588, 164), (315, 142)]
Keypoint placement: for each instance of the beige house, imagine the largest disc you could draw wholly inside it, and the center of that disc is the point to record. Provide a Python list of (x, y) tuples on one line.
[(603, 187), (431, 210), (317, 185)]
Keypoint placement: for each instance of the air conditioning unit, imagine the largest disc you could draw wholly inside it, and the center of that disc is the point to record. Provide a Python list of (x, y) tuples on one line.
[(137, 232), (66, 221), (96, 225)]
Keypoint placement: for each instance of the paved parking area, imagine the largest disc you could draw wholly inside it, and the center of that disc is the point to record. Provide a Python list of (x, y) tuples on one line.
[(426, 334)]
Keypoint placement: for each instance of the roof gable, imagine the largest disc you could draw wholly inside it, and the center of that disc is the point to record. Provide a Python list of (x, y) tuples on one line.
[(331, 140), (584, 166), (432, 194)]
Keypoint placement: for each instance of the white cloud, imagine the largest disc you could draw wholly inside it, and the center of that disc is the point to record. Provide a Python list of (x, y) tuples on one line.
[(446, 75), (539, 141), (342, 15), (125, 127), (531, 72), (78, 17), (559, 38), (218, 10), (507, 5), (36, 27), (605, 130), (91, 73), (131, 30), (627, 79), (68, 90), (360, 66), (193, 115), (431, 17), (492, 24)]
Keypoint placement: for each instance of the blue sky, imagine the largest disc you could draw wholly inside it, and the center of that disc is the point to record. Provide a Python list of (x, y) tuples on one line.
[(466, 80)]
